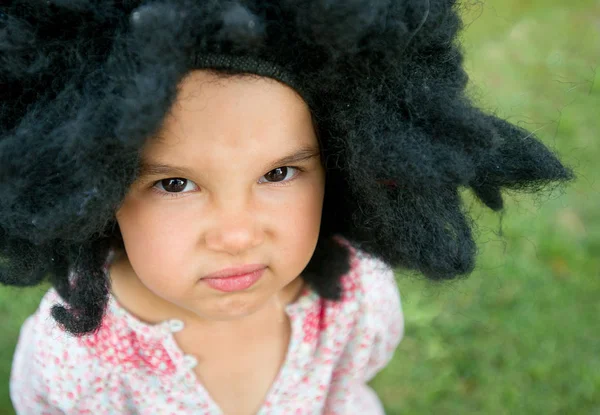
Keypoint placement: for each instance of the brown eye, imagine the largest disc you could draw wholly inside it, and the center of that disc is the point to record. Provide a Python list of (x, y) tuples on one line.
[(173, 185), (276, 175), (281, 174)]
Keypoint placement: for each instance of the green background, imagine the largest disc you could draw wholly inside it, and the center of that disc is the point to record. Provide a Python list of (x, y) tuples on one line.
[(520, 335)]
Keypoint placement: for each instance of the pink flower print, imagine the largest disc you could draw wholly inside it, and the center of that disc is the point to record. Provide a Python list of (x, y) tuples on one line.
[(350, 285), (118, 345), (314, 322)]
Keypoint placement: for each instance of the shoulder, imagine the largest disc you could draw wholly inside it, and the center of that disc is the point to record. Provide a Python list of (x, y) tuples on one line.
[(370, 281), (371, 291), (43, 340), (42, 333), (49, 364), (370, 299)]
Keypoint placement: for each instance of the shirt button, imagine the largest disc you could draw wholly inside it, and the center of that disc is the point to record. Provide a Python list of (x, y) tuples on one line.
[(190, 361), (176, 325)]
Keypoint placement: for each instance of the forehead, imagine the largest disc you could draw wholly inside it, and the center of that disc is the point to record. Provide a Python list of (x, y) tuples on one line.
[(214, 114)]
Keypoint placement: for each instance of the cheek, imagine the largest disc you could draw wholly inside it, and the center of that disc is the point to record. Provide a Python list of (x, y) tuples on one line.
[(303, 216), (298, 223), (154, 244)]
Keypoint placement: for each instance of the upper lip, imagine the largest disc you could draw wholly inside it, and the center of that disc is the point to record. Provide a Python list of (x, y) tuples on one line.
[(235, 271)]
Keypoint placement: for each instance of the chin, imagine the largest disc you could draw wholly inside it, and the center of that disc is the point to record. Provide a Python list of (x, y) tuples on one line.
[(232, 307)]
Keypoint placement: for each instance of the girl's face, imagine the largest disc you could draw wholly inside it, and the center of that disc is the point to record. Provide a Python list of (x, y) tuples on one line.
[(233, 178)]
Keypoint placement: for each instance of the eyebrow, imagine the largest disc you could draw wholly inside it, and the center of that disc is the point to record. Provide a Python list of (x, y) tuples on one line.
[(149, 168)]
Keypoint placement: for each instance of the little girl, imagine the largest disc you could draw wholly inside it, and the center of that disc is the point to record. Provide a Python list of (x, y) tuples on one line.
[(219, 192)]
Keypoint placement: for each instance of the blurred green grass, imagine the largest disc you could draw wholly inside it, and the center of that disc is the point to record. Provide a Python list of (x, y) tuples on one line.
[(520, 335)]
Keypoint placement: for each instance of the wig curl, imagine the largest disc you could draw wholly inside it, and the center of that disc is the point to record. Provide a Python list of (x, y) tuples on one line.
[(84, 84)]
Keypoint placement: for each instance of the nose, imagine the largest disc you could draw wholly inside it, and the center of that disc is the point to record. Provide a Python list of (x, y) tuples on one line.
[(233, 233)]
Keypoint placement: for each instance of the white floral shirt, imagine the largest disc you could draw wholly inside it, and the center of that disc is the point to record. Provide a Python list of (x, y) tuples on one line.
[(130, 367)]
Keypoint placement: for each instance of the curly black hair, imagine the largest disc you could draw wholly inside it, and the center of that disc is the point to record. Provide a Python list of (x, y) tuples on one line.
[(83, 84)]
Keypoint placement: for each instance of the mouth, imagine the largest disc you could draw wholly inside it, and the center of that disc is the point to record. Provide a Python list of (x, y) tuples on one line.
[(234, 279), (236, 271)]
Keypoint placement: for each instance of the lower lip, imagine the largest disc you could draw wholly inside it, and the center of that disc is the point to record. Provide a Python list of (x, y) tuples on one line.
[(236, 283)]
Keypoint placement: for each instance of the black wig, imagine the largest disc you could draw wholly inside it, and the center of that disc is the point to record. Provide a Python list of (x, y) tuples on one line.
[(83, 84)]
